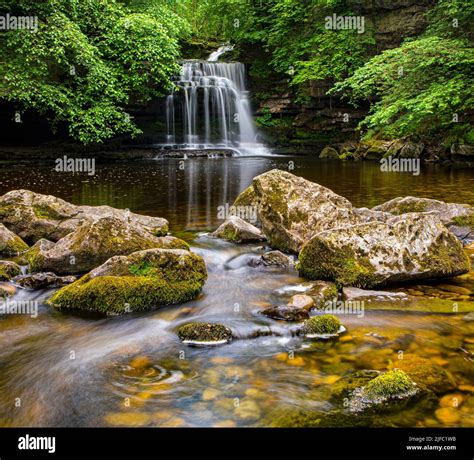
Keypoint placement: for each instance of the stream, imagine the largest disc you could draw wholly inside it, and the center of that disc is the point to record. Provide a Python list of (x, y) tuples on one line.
[(133, 371)]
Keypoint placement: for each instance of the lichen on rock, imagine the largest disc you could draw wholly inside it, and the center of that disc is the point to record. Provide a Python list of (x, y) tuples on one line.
[(204, 333)]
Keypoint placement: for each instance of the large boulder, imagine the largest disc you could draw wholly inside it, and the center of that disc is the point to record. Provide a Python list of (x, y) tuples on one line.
[(8, 270), (410, 247), (92, 244), (33, 216), (237, 230), (459, 218), (291, 209), (140, 281), (10, 244)]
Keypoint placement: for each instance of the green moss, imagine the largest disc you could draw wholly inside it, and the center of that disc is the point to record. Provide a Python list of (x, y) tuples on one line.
[(463, 221), (34, 259), (156, 279), (46, 212), (247, 198), (390, 384), (414, 206), (325, 324), (9, 270), (13, 246), (204, 332)]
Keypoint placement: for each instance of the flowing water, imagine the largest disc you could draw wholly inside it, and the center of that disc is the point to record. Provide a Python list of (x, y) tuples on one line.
[(133, 371)]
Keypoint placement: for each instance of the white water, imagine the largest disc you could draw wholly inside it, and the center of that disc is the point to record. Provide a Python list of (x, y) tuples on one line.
[(211, 109)]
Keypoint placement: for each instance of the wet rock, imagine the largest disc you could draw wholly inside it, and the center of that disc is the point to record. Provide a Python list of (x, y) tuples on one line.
[(410, 247), (462, 152), (248, 410), (459, 218), (277, 258), (321, 326), (33, 216), (322, 292), (291, 209), (411, 150), (301, 301), (6, 290), (426, 373), (329, 152), (92, 244), (10, 244), (140, 281), (364, 295), (237, 230), (286, 313), (448, 416), (204, 333), (8, 270), (42, 280)]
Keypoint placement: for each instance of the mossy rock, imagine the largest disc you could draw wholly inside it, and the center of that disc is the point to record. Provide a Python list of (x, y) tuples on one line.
[(389, 385), (9, 270), (321, 325), (197, 332), (10, 244), (141, 281), (411, 247)]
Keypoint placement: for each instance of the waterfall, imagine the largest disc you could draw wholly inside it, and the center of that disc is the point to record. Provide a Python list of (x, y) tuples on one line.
[(210, 108)]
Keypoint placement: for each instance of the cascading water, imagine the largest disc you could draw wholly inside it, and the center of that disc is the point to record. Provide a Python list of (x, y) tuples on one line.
[(210, 109)]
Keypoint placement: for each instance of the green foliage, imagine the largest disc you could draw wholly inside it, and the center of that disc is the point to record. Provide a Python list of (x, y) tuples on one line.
[(86, 62), (423, 87)]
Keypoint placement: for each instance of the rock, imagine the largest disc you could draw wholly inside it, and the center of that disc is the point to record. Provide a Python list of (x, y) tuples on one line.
[(377, 149), (204, 333), (448, 416), (10, 244), (425, 372), (278, 259), (8, 270), (411, 247), (247, 410), (411, 150), (247, 198), (389, 385), (237, 230), (451, 400), (363, 295), (291, 209), (329, 152), (42, 280), (301, 301), (6, 290), (33, 216), (462, 152), (321, 325), (322, 292), (286, 313), (140, 281), (92, 244)]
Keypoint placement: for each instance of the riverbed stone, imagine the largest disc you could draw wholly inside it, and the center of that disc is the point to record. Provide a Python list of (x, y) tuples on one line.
[(292, 209), (8, 270), (10, 244), (321, 325), (458, 217), (199, 332), (140, 281), (364, 295), (286, 313), (322, 292), (238, 230), (302, 301), (42, 280), (410, 247), (92, 244), (33, 216), (277, 258)]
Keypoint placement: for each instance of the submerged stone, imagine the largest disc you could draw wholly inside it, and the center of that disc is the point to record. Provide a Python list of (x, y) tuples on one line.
[(8, 270), (204, 333)]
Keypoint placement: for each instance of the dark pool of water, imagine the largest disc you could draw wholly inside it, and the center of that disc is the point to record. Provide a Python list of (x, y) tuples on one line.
[(133, 371)]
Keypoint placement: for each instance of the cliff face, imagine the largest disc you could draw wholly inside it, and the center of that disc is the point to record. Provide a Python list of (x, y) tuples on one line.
[(319, 119)]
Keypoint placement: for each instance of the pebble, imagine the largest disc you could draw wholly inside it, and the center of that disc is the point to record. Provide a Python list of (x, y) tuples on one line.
[(451, 400), (301, 301), (447, 415), (209, 394), (247, 409), (140, 362)]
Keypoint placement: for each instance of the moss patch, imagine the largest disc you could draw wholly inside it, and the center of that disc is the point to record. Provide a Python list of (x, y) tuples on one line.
[(463, 221), (204, 332), (325, 324), (389, 385)]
